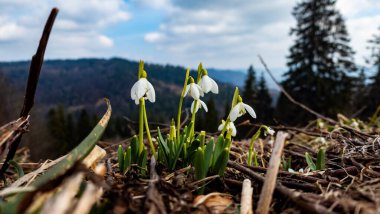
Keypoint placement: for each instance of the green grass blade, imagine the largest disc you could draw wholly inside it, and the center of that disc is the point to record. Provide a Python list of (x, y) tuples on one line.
[(120, 159), (208, 153), (321, 159), (134, 149), (310, 162), (199, 164)]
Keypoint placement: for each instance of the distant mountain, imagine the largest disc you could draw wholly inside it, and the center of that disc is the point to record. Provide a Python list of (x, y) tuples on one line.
[(234, 77), (237, 78), (78, 84)]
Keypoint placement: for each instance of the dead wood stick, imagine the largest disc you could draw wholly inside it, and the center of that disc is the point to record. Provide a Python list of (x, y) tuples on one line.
[(271, 175), (34, 74), (246, 197), (291, 99), (296, 197), (154, 202)]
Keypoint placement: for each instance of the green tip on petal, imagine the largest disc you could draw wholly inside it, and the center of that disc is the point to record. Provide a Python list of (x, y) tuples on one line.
[(143, 74), (204, 71), (191, 80)]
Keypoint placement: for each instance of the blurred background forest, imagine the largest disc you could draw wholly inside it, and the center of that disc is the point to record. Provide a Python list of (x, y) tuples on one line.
[(321, 73)]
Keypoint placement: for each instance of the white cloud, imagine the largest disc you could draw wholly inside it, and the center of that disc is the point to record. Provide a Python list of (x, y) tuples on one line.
[(10, 30), (78, 31), (153, 37), (105, 41), (225, 33), (230, 33)]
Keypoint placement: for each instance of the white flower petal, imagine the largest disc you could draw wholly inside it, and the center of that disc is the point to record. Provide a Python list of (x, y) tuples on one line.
[(233, 129), (250, 110), (214, 87), (205, 84), (187, 90), (234, 114), (199, 90), (203, 105), (133, 91), (270, 131), (141, 87), (221, 126), (192, 107), (194, 91), (151, 94), (137, 101)]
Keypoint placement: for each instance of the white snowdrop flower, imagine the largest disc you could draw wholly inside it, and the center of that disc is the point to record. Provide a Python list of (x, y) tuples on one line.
[(143, 88), (200, 104), (355, 124), (291, 170), (194, 90), (301, 170), (207, 84), (268, 130), (320, 140), (240, 109), (230, 126)]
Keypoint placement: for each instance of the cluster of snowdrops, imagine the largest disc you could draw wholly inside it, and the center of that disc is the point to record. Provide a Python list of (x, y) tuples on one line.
[(182, 147)]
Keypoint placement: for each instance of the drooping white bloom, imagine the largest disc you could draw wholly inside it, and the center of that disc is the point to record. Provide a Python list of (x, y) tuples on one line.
[(240, 109), (143, 88), (207, 84), (194, 91), (268, 130), (200, 104), (230, 126)]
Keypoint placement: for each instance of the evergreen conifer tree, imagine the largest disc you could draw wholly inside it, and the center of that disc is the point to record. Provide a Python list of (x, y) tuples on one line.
[(263, 107), (373, 97), (250, 87), (319, 63)]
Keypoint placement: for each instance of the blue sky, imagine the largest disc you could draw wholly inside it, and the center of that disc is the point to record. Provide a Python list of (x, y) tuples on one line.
[(226, 34)]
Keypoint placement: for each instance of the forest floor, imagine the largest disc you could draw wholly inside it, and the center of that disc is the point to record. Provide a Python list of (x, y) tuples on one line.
[(350, 183)]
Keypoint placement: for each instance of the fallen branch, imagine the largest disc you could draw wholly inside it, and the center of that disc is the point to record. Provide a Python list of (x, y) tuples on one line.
[(294, 196), (246, 197), (154, 202), (271, 175), (34, 74)]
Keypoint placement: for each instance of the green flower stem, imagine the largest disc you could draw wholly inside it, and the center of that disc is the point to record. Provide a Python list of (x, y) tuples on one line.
[(180, 104), (141, 69), (148, 133), (253, 139), (225, 125), (141, 125)]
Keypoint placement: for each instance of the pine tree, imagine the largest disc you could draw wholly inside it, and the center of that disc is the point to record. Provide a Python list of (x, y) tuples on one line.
[(319, 63), (263, 106), (250, 88), (58, 128), (373, 96)]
